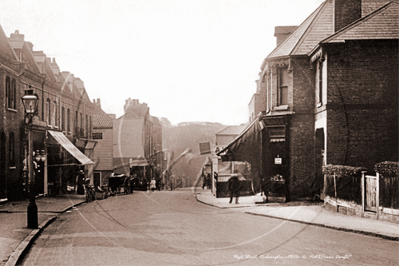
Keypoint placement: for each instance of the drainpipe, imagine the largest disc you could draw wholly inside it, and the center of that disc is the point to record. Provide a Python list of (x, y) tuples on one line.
[(44, 81), (45, 177)]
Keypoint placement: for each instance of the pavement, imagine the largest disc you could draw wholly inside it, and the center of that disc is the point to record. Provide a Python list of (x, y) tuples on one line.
[(312, 213), (15, 237)]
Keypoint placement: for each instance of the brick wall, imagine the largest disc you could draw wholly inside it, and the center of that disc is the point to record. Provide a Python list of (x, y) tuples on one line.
[(303, 93), (362, 126), (302, 164)]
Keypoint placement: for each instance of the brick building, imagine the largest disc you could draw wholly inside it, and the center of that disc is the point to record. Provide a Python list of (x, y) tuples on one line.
[(137, 141), (64, 118), (331, 96), (104, 135)]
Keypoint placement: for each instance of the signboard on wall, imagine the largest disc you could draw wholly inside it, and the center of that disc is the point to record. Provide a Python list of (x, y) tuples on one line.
[(97, 135), (205, 148)]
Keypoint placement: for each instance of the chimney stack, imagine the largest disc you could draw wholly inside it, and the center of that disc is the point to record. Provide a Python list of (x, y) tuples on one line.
[(346, 12), (282, 32)]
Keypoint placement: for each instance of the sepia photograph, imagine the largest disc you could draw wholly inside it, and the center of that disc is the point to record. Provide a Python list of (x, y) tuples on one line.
[(199, 132)]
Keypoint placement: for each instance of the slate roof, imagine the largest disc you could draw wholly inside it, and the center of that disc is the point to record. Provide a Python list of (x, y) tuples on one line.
[(5, 46), (232, 130), (315, 28), (101, 119), (381, 24)]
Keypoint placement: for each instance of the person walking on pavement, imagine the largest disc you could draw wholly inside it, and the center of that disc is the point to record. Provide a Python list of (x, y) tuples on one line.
[(80, 178), (234, 186), (153, 184), (203, 181)]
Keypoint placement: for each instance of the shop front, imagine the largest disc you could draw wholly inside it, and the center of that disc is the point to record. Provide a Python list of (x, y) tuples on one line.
[(63, 163), (275, 155), (241, 156), (39, 158)]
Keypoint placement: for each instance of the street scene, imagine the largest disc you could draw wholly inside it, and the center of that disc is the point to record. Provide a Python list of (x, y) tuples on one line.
[(199, 132)]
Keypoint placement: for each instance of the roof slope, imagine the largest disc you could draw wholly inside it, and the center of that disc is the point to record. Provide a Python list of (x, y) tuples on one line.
[(316, 27), (381, 24), (232, 130), (101, 119), (5, 46)]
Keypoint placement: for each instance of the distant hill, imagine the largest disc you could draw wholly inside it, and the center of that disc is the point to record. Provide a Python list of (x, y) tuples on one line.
[(188, 135)]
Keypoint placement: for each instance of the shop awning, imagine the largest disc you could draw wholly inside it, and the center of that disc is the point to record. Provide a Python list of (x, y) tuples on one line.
[(244, 147), (66, 144)]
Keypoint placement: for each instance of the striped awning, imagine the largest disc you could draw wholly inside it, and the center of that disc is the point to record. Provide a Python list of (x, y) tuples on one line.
[(67, 145)]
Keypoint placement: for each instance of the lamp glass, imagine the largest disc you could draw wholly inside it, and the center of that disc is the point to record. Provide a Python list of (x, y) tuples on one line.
[(43, 157), (37, 156), (29, 101)]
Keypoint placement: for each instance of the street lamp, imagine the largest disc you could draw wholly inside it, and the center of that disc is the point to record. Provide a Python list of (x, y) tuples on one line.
[(30, 101), (40, 156)]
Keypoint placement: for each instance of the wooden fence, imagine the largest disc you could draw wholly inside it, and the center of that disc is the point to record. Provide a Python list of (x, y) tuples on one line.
[(372, 192)]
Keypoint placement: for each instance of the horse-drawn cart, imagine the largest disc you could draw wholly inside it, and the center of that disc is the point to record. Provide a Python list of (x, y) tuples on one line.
[(119, 184)]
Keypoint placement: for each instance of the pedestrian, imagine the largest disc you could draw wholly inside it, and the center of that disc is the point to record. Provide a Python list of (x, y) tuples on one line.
[(234, 186), (208, 180), (153, 184), (203, 181), (159, 184), (80, 179)]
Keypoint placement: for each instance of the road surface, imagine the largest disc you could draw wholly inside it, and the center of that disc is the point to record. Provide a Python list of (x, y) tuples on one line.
[(173, 228)]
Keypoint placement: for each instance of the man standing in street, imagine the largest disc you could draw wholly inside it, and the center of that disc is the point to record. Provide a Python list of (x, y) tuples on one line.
[(234, 186)]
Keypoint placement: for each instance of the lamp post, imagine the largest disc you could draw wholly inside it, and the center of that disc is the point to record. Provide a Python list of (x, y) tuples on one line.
[(30, 101), (41, 157)]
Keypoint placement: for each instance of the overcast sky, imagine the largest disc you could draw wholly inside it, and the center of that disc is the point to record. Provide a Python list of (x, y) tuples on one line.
[(189, 60)]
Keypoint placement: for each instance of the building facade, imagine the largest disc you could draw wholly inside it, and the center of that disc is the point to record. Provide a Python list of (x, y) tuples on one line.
[(331, 95), (104, 135), (137, 142), (60, 95)]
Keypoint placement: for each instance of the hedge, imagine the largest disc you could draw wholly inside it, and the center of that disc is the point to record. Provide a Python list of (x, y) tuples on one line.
[(387, 169), (348, 182), (389, 184)]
